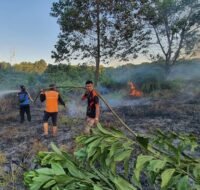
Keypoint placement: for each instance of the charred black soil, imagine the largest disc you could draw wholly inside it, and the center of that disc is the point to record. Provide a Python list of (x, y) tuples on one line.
[(19, 143)]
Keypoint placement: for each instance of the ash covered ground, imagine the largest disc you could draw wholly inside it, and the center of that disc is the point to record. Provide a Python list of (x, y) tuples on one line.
[(19, 143)]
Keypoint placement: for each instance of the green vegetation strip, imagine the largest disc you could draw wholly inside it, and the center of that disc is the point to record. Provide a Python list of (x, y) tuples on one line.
[(98, 158)]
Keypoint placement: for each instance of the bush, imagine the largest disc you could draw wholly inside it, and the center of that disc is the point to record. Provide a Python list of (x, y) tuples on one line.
[(103, 161)]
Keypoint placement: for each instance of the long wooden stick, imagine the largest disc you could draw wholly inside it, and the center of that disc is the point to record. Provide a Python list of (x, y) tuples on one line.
[(78, 87), (115, 114), (36, 97), (104, 101), (81, 87)]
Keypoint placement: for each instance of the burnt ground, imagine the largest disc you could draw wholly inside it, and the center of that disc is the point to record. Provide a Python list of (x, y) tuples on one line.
[(167, 115), (19, 143)]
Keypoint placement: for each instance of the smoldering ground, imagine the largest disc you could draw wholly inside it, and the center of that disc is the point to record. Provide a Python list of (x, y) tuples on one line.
[(186, 76), (20, 143)]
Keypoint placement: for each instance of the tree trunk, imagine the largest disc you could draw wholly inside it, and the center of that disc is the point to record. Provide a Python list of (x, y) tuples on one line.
[(98, 45), (97, 71), (167, 66), (176, 56)]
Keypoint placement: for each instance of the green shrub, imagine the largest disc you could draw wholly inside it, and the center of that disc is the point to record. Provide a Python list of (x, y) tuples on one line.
[(103, 160)]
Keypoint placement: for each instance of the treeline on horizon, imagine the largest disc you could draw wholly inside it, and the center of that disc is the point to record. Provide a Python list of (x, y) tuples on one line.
[(42, 66), (147, 76)]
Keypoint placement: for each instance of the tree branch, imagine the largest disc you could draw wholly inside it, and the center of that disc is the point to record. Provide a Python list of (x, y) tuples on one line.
[(194, 29), (181, 39), (159, 41)]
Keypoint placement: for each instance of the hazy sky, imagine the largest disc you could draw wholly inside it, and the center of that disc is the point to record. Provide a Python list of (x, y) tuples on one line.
[(28, 32)]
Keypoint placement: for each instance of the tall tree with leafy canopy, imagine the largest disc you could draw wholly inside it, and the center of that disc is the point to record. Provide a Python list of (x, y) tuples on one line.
[(91, 29), (175, 27)]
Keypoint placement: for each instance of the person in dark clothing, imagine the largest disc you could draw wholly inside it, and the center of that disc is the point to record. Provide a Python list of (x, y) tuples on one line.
[(93, 109), (24, 104), (52, 98)]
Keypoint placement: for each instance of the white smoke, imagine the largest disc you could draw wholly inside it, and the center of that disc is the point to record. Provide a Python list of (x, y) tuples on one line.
[(129, 102), (76, 109), (5, 92), (185, 72)]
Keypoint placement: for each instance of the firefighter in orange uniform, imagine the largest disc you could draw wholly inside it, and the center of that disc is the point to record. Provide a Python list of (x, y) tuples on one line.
[(52, 98), (93, 110)]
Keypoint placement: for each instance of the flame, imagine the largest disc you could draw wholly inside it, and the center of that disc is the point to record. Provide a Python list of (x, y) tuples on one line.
[(133, 90)]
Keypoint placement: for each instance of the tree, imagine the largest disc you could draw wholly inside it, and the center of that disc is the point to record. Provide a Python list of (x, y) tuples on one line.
[(175, 27), (90, 29), (36, 67), (4, 65), (40, 66)]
